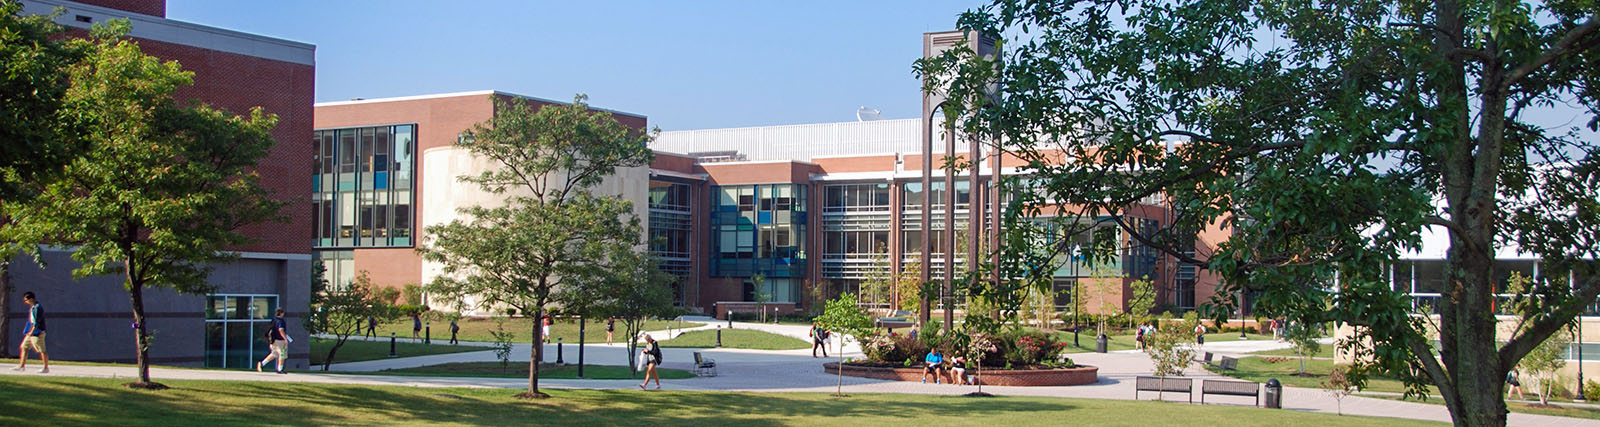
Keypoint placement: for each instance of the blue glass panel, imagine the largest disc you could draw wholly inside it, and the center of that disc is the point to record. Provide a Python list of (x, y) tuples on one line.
[(764, 218), (316, 183), (380, 180)]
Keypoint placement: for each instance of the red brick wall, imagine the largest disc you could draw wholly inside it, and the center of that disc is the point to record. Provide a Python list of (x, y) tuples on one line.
[(883, 163), (146, 7), (390, 267), (673, 162), (237, 83)]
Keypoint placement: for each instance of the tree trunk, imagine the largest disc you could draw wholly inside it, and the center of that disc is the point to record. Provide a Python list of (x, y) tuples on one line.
[(5, 308), (534, 356), (141, 339), (328, 361), (1467, 330)]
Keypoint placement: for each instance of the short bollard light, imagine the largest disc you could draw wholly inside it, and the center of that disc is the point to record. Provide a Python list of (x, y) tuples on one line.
[(391, 344), (427, 332), (730, 319), (561, 351), (1274, 392), (719, 336)]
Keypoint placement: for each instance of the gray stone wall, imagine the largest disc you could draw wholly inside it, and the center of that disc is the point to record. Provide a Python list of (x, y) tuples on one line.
[(90, 319)]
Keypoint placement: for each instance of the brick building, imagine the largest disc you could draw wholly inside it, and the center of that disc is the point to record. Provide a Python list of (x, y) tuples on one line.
[(234, 71)]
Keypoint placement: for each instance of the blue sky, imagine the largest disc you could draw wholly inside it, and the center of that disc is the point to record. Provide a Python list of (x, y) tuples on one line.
[(686, 65)]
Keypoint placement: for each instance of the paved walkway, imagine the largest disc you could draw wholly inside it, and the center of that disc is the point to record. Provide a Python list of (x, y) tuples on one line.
[(797, 371)]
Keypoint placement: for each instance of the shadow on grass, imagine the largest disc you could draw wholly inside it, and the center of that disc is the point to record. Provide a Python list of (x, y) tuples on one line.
[(101, 401)]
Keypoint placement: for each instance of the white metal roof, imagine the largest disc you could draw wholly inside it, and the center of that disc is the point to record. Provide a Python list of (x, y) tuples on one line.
[(807, 141)]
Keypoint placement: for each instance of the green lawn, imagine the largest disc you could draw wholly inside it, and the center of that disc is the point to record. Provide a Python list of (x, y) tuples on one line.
[(35, 400), (517, 369), (1519, 407), (1259, 369), (522, 329), (737, 338), (1126, 342), (356, 351), (1289, 352)]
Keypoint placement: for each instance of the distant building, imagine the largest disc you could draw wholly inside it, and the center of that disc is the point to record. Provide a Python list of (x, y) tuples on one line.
[(235, 71)]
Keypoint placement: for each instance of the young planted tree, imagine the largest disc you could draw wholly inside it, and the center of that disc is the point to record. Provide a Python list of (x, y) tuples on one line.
[(1142, 301), (846, 319), (552, 230), (1302, 338), (1544, 364), (1325, 136), (343, 312), (632, 290), (162, 186)]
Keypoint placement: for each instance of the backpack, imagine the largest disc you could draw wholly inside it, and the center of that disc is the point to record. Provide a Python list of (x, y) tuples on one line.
[(271, 338)]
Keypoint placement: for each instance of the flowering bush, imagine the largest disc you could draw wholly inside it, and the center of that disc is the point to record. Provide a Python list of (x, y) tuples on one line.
[(877, 346)]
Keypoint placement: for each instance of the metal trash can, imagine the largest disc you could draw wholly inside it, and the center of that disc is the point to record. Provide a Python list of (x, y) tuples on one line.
[(1274, 392), (1100, 344)]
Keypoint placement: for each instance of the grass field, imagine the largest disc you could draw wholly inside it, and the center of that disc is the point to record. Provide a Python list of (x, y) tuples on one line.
[(356, 351), (1259, 369), (522, 329), (34, 400), (517, 369), (737, 338), (1126, 342)]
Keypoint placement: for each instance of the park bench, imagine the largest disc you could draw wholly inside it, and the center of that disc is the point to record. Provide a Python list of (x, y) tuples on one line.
[(1228, 363), (703, 366), (1162, 385), (1230, 388), (1208, 358)]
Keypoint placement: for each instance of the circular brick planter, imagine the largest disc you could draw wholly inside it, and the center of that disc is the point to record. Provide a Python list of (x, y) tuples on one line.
[(1019, 377)]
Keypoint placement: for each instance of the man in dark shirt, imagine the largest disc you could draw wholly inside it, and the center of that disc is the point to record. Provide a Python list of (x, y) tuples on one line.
[(33, 334), (279, 342)]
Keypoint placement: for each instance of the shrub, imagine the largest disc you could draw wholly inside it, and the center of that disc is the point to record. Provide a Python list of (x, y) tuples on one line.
[(1591, 390), (387, 294), (411, 294)]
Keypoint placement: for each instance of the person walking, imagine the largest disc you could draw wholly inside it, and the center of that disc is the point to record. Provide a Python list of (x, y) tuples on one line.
[(817, 340), (652, 355), (1200, 334), (611, 326), (1514, 385), (453, 330), (547, 323), (416, 326), (278, 341), (32, 334), (372, 327)]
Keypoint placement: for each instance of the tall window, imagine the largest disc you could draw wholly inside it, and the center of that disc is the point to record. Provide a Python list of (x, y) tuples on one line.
[(361, 192), (871, 197), (759, 229)]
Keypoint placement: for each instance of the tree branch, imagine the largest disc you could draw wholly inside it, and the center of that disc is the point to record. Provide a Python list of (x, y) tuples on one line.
[(1541, 328), (1568, 44)]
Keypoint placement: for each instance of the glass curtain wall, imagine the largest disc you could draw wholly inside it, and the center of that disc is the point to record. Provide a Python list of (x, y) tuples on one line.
[(362, 187), (761, 229)]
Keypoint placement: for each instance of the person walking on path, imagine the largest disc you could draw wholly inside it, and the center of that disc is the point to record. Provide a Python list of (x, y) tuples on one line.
[(1200, 334), (453, 330), (818, 340), (1514, 385), (652, 354), (372, 327), (611, 326), (278, 341), (32, 334), (416, 326), (547, 322)]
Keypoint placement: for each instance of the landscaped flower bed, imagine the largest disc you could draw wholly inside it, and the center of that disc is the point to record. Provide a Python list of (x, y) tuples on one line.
[(1030, 377), (1015, 357)]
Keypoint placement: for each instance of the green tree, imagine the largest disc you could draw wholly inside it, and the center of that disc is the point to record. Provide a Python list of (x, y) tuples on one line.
[(1320, 134), (1302, 338), (33, 84), (759, 282), (632, 290), (162, 187), (1169, 348), (1142, 301), (344, 311), (1544, 364), (844, 317), (553, 230)]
